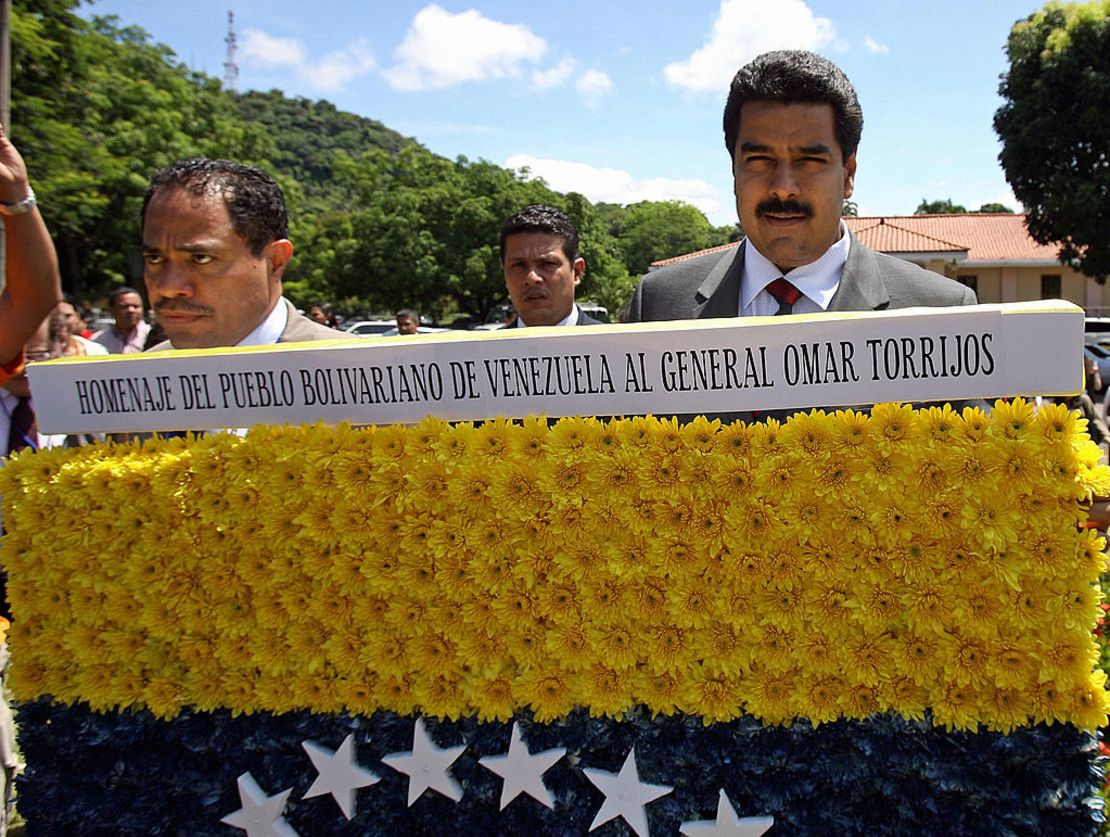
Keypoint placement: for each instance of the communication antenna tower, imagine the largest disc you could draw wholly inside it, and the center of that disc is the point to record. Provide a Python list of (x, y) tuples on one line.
[(231, 69)]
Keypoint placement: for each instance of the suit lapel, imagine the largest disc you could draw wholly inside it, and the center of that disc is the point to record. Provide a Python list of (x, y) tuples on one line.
[(861, 285), (719, 294)]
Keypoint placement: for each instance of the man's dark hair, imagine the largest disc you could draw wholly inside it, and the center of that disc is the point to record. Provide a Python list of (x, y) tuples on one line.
[(794, 76), (539, 218), (122, 290), (253, 199)]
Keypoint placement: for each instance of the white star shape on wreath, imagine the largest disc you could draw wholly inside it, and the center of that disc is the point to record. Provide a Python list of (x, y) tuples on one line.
[(426, 765), (625, 795), (728, 824), (523, 771), (339, 774), (261, 815)]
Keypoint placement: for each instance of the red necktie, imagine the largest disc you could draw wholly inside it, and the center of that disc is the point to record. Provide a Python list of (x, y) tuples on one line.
[(22, 432), (785, 293)]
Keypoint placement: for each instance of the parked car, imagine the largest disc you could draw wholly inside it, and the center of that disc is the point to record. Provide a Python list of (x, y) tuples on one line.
[(369, 328)]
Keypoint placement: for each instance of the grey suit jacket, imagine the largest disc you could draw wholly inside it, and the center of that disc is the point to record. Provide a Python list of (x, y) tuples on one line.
[(709, 286), (298, 329)]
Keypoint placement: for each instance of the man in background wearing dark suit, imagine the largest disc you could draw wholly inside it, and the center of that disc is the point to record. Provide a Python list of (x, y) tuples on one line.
[(539, 252), (792, 124), (215, 245)]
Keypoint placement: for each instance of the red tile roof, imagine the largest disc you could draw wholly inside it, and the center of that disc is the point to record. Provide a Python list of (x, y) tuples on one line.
[(987, 237), (983, 237), (890, 236)]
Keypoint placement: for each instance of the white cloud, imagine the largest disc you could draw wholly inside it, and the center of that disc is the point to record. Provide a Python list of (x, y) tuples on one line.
[(874, 47), (743, 30), (443, 49), (554, 77), (276, 52), (329, 73), (337, 68), (616, 186), (593, 84)]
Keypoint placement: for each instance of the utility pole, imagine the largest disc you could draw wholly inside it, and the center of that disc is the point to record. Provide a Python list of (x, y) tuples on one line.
[(231, 69)]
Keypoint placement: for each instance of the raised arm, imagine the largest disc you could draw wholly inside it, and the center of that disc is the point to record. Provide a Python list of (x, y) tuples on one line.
[(32, 286)]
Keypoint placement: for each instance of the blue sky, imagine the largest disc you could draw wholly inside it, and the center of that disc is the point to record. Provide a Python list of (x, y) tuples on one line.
[(622, 100)]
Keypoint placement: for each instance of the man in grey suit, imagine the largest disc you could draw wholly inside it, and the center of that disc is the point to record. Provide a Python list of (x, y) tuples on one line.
[(215, 245), (792, 124), (539, 253)]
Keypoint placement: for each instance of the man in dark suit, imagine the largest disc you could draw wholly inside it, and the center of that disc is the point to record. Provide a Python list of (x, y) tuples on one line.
[(539, 252), (792, 124), (215, 245)]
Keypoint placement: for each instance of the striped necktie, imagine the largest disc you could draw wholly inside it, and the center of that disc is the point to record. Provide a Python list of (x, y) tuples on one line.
[(785, 293)]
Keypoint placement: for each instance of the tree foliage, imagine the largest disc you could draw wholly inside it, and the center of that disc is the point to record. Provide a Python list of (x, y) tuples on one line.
[(423, 232), (1055, 129), (378, 221), (944, 207), (96, 109)]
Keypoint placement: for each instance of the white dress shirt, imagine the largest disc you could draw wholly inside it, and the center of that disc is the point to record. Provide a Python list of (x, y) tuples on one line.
[(569, 319), (269, 330), (817, 280)]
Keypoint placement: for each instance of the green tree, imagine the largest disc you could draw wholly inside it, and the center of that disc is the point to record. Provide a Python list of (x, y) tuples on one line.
[(1055, 129), (655, 230), (995, 207), (944, 207), (96, 109)]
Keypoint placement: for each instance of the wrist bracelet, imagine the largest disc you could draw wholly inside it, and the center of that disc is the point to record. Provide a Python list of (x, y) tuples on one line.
[(19, 207)]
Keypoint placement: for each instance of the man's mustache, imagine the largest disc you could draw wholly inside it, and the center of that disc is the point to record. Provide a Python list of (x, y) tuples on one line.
[(181, 306), (775, 206)]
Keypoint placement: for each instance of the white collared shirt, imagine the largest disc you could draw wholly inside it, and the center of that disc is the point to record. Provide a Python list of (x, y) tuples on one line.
[(269, 330), (817, 280), (569, 319)]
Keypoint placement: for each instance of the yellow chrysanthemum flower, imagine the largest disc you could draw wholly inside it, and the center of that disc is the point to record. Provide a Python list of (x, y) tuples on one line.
[(956, 708), (1012, 419), (572, 437), (1004, 709), (808, 433), (659, 691), (714, 696), (548, 691), (700, 435), (1087, 703), (1057, 424), (939, 424), (606, 691), (816, 699), (735, 440), (972, 424), (770, 695), (492, 439), (893, 424)]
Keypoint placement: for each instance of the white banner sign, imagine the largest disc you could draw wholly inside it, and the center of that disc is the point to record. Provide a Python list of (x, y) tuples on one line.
[(680, 367)]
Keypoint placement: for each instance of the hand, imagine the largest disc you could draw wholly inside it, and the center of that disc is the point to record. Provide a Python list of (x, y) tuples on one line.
[(14, 183)]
